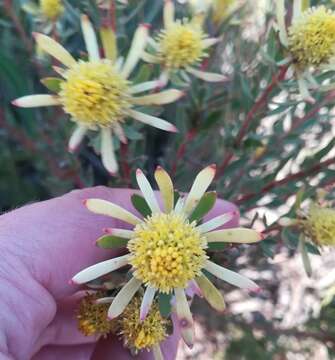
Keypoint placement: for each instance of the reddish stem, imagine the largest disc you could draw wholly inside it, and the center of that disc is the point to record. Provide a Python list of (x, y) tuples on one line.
[(17, 24), (124, 164), (21, 138), (112, 15), (182, 149), (296, 176), (259, 104)]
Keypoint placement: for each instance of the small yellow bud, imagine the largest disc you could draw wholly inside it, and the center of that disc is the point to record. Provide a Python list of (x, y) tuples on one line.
[(51, 9), (320, 225), (92, 317)]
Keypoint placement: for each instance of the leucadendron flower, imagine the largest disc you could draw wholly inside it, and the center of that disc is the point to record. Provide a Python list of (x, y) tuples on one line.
[(309, 40), (181, 47), (97, 93), (167, 248)]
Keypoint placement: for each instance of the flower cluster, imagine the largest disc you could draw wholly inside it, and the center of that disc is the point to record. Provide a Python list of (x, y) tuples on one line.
[(98, 93), (166, 256), (319, 225), (309, 40), (180, 47)]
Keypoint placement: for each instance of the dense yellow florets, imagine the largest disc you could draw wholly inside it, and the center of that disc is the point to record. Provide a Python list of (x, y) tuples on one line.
[(94, 94), (51, 9), (181, 45), (92, 318), (167, 251), (312, 37), (144, 334), (320, 225)]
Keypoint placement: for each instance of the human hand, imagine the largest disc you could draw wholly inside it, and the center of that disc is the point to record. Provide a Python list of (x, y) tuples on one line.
[(41, 247)]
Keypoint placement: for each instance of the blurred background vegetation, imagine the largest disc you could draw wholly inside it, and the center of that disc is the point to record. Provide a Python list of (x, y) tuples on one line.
[(267, 143)]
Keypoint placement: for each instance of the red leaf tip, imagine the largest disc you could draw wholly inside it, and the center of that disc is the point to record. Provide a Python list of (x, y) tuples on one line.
[(146, 25)]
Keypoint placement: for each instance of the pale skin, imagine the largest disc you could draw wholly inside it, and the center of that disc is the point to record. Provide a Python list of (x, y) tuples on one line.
[(41, 247)]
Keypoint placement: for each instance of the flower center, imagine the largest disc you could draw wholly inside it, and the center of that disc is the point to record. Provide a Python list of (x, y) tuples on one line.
[(94, 94), (312, 37), (142, 334), (181, 45), (167, 251), (320, 225), (51, 8), (92, 318)]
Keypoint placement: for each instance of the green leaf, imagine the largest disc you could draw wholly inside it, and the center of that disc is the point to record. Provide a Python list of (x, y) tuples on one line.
[(304, 254), (164, 304), (52, 83), (205, 204), (140, 205), (131, 133), (268, 246), (111, 242), (299, 198), (217, 246)]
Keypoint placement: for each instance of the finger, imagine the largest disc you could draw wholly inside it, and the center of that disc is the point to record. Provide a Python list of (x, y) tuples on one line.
[(63, 330), (77, 352), (55, 238)]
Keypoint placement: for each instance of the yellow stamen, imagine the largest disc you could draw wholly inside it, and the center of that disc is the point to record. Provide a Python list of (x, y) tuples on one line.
[(94, 94), (142, 334), (312, 37), (92, 318), (51, 9), (167, 251), (320, 225), (181, 45)]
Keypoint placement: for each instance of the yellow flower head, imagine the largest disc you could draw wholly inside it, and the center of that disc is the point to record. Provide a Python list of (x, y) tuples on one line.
[(51, 9), (181, 45), (167, 251), (95, 94), (167, 248), (311, 37), (142, 334), (320, 225), (92, 317)]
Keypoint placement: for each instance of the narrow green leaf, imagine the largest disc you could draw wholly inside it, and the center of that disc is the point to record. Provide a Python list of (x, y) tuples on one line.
[(304, 255), (111, 242), (52, 83), (205, 204), (164, 304), (140, 205), (217, 246)]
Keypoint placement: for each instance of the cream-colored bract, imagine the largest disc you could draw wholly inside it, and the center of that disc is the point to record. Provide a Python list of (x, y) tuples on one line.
[(181, 46), (207, 232), (310, 43), (121, 98)]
